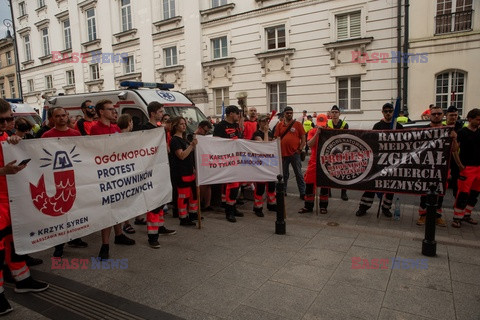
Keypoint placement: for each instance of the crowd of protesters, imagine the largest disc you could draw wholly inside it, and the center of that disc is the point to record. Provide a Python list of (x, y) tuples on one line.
[(297, 137)]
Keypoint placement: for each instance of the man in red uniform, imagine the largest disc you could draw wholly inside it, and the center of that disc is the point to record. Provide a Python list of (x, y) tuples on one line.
[(250, 124), (229, 129), (85, 124), (106, 114), (468, 160), (61, 129), (16, 264)]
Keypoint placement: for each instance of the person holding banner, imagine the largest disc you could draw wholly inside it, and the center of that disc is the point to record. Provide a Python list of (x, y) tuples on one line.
[(468, 160), (264, 134), (17, 265), (230, 129), (106, 115), (292, 136), (183, 172), (367, 198), (250, 124)]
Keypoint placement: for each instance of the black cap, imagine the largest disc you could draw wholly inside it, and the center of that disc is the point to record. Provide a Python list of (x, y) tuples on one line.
[(452, 109), (335, 108), (304, 111), (387, 106), (280, 114), (231, 109), (288, 108)]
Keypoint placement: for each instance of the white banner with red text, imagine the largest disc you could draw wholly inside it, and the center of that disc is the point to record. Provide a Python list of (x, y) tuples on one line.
[(78, 185), (221, 160)]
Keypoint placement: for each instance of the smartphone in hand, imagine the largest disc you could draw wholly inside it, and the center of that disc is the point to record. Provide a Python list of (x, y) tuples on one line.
[(24, 162)]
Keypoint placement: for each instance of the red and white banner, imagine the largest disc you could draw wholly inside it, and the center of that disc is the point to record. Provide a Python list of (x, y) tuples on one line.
[(78, 185), (221, 160)]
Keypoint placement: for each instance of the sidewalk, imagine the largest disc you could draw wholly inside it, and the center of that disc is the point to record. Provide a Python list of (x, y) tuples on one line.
[(244, 271)]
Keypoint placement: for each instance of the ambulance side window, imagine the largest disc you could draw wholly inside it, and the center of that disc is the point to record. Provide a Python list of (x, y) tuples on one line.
[(139, 118)]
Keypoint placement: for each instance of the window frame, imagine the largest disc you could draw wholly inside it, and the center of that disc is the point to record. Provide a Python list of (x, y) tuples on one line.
[(213, 42), (167, 54), (170, 12), (70, 75), (48, 82), (22, 9), (349, 15), (67, 34), (218, 107), (128, 64), (8, 58), (91, 24), (13, 94), (41, 3), (2, 91), (451, 17), (278, 104), (30, 85), (448, 94), (45, 42), (276, 36), (126, 15), (349, 89), (27, 47), (94, 71), (219, 3)]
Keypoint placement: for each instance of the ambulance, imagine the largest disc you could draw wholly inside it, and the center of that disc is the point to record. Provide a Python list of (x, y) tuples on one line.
[(25, 110), (133, 99)]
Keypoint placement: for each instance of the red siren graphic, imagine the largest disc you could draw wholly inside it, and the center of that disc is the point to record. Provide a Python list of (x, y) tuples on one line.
[(65, 191)]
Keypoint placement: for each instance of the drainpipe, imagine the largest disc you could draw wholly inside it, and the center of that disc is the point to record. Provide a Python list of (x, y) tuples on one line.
[(406, 45), (399, 48)]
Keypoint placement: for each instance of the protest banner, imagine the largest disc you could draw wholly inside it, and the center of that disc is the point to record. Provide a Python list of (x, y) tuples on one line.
[(221, 160), (404, 161), (78, 185)]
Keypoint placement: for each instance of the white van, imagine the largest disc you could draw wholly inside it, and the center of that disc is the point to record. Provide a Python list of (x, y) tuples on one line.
[(134, 100), (21, 109)]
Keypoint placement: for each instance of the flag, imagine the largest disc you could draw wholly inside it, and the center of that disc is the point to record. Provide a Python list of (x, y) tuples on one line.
[(396, 111), (223, 110)]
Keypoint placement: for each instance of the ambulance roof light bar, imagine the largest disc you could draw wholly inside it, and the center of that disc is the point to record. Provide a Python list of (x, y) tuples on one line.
[(151, 85)]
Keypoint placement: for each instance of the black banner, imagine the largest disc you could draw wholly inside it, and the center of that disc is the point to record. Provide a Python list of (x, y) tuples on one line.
[(401, 161)]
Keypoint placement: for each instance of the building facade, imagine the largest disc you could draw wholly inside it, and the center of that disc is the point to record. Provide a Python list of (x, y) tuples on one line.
[(447, 32), (8, 77), (310, 54)]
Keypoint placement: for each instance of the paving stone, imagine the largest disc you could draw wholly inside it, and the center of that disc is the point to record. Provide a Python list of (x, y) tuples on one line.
[(281, 299), (368, 278), (303, 276), (285, 242), (467, 300), (377, 242), (419, 300), (216, 297), (340, 300), (244, 312), (185, 312), (466, 255), (323, 258), (268, 257), (465, 272), (246, 275), (323, 241), (388, 314)]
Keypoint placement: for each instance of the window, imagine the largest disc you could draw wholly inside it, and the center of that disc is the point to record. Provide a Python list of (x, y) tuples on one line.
[(453, 15), (30, 85), (41, 3), (450, 90), (70, 77), (218, 3), (11, 83), (48, 82), (276, 37), (8, 55), (348, 25), (94, 72), (2, 90), (91, 25), (221, 95), (349, 93), (67, 35), (277, 93), (28, 50), (168, 9), (129, 64), (220, 49), (45, 42), (22, 9), (170, 56), (126, 15)]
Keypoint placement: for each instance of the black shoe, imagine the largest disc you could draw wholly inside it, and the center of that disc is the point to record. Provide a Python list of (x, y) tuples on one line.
[(387, 213), (77, 243), (154, 244), (302, 196), (231, 218), (103, 254), (240, 202), (166, 232), (344, 196), (31, 261), (238, 213), (123, 239), (258, 212), (30, 285), (360, 213), (193, 216), (207, 209), (272, 207), (5, 307), (58, 253), (140, 221), (186, 222)]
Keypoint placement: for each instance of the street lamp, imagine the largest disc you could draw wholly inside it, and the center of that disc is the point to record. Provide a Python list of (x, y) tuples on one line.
[(9, 23)]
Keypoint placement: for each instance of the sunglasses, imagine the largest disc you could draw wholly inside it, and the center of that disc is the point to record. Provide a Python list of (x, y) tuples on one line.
[(8, 119)]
